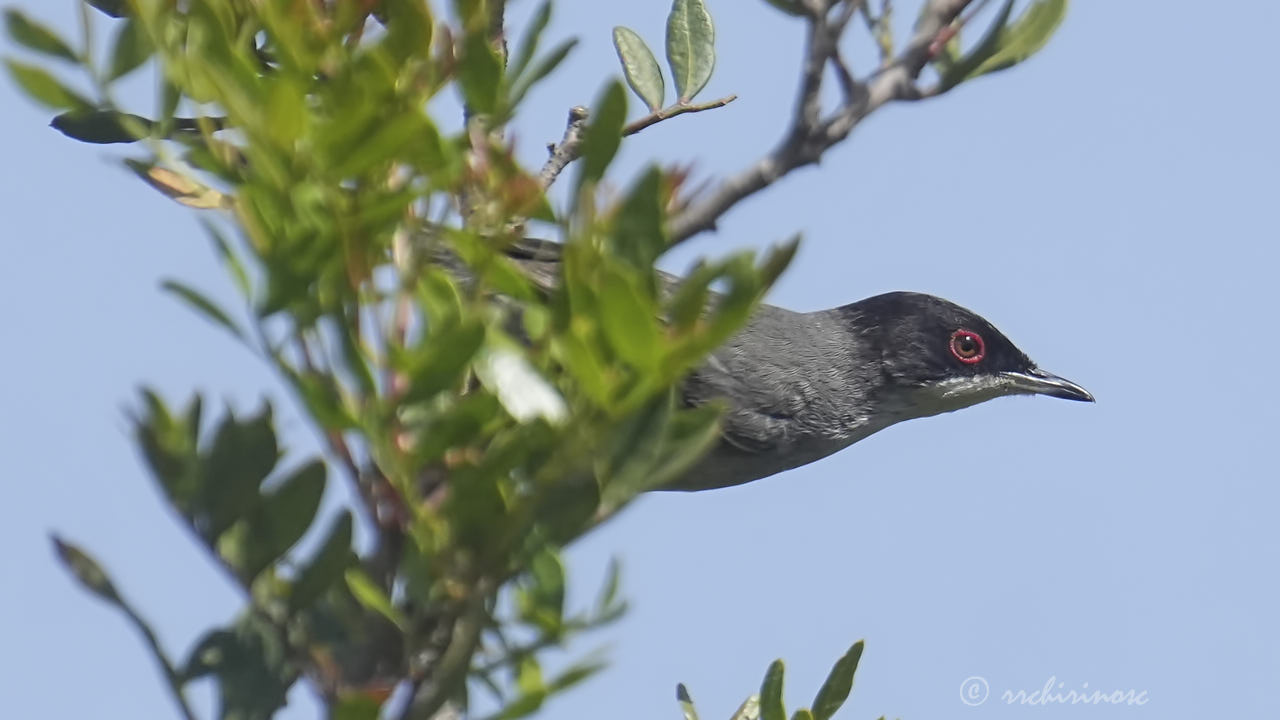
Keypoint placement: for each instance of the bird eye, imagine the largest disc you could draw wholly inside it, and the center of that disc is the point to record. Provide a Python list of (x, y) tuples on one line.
[(967, 346)]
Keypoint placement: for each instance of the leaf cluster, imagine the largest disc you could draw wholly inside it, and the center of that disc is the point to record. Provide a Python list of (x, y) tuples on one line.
[(480, 419), (483, 398)]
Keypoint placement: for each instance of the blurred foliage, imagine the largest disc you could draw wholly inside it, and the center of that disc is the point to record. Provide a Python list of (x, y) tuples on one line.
[(480, 415), (768, 703), (1005, 44)]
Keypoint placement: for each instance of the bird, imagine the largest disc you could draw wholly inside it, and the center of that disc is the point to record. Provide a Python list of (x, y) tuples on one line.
[(803, 385), (799, 386)]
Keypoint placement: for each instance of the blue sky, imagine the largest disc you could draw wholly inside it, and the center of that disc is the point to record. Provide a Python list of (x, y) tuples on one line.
[(1109, 206)]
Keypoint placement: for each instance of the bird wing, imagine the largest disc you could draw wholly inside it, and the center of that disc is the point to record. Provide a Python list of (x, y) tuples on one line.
[(540, 261), (762, 417), (762, 425), (758, 422)]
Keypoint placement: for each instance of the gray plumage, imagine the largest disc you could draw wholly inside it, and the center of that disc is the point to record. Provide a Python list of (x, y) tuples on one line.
[(801, 386)]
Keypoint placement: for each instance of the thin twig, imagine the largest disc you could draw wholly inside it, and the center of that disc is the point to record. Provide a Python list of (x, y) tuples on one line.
[(880, 27), (171, 676), (333, 438), (954, 29), (810, 136), (658, 116), (847, 11), (497, 28), (451, 668), (569, 148), (808, 108)]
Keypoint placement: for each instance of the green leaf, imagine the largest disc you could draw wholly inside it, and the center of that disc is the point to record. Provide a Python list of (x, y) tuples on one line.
[(534, 691), (575, 674), (686, 702), (528, 45), (835, 690), (524, 705), (203, 306), (802, 714), (191, 419), (372, 597), (86, 570), (326, 566), (748, 710), (544, 592), (438, 363), (409, 28), (114, 8), (639, 235), (231, 261), (206, 655), (34, 36), (603, 134), (452, 426), (689, 301), (790, 7), (691, 47), (102, 126), (580, 353), (472, 13), (242, 456), (1006, 44), (177, 186), (169, 447), (640, 447), (607, 602), (690, 435), (354, 357), (320, 394), (170, 96), (356, 706), (543, 68), (529, 678), (44, 88), (771, 707), (746, 284), (640, 67), (1026, 36), (480, 74), (986, 45), (280, 520), (252, 664), (778, 259), (386, 141), (92, 577), (438, 294), (630, 320), (131, 48)]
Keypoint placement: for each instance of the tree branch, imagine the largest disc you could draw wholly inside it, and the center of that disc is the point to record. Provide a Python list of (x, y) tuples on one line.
[(172, 678), (569, 148), (810, 136), (450, 668)]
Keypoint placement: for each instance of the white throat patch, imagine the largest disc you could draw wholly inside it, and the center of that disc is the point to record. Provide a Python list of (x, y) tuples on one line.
[(953, 394)]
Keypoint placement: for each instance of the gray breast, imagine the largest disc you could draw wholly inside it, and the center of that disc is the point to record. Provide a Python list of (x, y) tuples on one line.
[(798, 390)]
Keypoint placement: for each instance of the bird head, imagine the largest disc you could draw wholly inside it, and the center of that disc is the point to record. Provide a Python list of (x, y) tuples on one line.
[(936, 356)]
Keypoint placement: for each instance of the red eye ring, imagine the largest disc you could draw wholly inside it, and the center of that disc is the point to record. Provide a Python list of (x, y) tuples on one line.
[(967, 346)]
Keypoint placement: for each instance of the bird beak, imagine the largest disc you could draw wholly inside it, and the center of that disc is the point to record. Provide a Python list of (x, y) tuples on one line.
[(1039, 382)]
